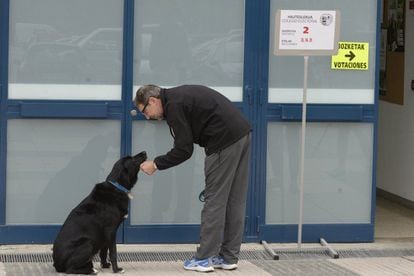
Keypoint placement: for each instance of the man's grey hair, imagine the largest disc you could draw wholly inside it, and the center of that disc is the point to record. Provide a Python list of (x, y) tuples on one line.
[(145, 92)]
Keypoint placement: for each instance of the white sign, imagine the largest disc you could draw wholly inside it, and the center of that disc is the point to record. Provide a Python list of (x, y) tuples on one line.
[(302, 32)]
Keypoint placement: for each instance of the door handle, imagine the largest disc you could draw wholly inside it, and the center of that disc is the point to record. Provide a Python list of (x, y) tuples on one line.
[(249, 95), (133, 112)]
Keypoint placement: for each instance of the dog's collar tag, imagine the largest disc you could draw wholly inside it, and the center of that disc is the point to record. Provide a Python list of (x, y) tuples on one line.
[(122, 188)]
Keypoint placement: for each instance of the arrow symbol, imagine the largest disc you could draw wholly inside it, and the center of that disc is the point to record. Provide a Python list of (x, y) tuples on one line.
[(350, 56)]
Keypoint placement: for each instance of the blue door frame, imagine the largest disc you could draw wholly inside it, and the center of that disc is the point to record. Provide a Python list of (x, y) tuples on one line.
[(254, 106), (4, 34)]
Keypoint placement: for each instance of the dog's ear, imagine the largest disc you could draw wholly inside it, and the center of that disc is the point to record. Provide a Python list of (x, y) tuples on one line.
[(116, 171), (125, 177)]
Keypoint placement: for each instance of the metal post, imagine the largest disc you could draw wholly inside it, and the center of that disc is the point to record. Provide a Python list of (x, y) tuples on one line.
[(331, 251), (269, 250), (302, 150)]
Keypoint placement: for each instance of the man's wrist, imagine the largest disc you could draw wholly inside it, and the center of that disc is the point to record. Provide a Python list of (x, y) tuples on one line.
[(155, 166)]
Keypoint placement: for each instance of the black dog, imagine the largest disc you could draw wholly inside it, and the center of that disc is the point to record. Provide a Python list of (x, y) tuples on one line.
[(91, 226)]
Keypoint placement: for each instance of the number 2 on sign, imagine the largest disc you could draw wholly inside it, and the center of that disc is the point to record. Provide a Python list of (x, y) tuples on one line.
[(306, 30)]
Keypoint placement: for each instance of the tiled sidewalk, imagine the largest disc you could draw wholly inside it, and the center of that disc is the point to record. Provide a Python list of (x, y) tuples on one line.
[(290, 265)]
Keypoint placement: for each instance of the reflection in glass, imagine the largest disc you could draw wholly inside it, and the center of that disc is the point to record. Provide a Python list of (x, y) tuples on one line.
[(180, 44), (64, 42), (53, 164), (338, 173)]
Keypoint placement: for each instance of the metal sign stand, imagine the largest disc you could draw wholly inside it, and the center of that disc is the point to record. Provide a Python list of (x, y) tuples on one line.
[(290, 48), (322, 241), (302, 150)]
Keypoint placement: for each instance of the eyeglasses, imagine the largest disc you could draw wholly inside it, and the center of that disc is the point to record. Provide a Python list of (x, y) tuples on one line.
[(145, 107)]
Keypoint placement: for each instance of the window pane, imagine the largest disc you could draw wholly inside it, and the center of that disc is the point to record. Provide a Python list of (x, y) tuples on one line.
[(65, 49), (338, 173), (358, 24), (181, 44), (53, 164), (169, 196)]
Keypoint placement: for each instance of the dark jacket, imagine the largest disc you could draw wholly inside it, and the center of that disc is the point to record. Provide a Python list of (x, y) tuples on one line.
[(199, 115)]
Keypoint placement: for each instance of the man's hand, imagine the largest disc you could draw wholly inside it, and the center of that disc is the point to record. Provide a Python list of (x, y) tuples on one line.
[(148, 167)]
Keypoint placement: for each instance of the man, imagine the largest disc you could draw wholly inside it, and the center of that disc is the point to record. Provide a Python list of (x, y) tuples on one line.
[(199, 115)]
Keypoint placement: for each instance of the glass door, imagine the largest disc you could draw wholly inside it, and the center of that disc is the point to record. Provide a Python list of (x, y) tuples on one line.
[(184, 42), (339, 156)]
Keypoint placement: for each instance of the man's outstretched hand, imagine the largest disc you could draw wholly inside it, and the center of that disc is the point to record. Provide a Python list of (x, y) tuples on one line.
[(148, 167)]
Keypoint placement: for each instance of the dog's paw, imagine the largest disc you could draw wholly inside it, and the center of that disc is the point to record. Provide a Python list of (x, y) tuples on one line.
[(119, 270), (105, 265), (94, 271)]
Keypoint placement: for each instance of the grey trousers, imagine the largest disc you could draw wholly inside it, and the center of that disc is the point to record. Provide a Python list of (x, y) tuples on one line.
[(223, 214)]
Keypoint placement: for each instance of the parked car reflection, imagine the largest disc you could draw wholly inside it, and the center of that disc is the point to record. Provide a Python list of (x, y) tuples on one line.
[(212, 61), (220, 60), (175, 58), (51, 63), (94, 58)]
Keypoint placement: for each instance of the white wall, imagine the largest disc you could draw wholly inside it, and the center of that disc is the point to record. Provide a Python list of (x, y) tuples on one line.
[(395, 167)]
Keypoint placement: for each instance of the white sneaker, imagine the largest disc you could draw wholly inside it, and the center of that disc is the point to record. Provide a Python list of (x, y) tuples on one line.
[(200, 265), (219, 262)]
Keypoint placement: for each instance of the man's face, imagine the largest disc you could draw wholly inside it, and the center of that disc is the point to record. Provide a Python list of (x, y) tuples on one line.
[(152, 110)]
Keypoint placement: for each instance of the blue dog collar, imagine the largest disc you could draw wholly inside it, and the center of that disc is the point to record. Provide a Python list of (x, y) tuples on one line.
[(121, 188)]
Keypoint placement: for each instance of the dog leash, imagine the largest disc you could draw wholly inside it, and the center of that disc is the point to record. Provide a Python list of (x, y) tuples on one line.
[(201, 196), (121, 188)]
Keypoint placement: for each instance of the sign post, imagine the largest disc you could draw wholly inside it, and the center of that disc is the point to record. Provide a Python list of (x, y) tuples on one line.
[(306, 33)]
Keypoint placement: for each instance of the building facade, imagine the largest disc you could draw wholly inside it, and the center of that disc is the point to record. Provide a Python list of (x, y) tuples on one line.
[(68, 72)]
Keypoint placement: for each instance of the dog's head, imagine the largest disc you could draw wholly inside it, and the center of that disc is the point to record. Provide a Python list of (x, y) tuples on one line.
[(125, 170)]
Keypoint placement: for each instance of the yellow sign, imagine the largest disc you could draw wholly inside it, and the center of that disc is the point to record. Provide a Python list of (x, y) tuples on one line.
[(351, 56)]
